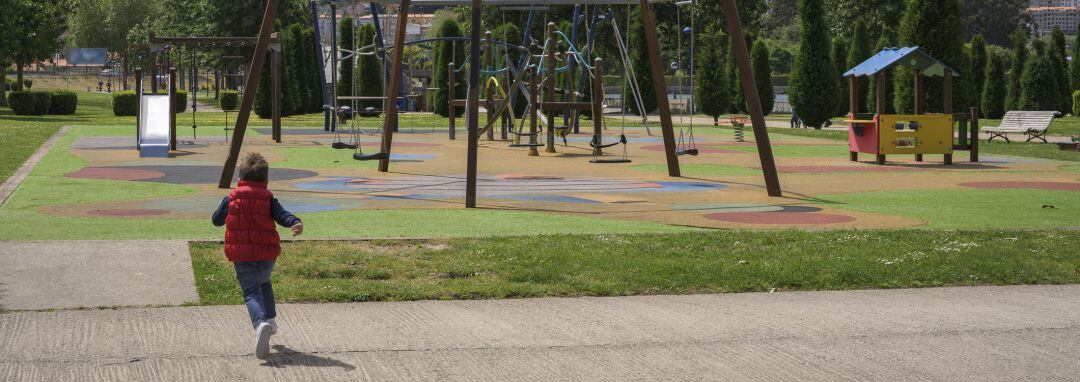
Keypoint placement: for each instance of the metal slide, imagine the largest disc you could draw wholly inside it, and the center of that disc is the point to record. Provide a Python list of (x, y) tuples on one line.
[(154, 125)]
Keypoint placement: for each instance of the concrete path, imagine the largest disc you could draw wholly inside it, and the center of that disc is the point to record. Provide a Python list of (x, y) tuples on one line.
[(985, 333), (77, 274)]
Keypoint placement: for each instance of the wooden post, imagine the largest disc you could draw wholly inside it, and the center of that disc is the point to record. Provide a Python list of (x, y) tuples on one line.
[(853, 96), (549, 86), (948, 82), (534, 102), (753, 103), (879, 98), (390, 120), (269, 15), (153, 66), (275, 93), (472, 113), (451, 88), (660, 83), (138, 108), (172, 108), (918, 102), (974, 132), (597, 105)]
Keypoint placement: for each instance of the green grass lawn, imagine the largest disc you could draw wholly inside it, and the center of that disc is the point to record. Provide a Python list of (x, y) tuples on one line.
[(969, 208), (616, 265)]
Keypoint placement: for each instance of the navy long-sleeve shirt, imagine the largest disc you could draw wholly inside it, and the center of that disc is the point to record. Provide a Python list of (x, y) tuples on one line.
[(280, 215)]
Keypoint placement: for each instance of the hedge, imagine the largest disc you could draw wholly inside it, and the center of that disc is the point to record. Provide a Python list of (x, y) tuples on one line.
[(181, 101), (29, 103), (123, 103), (63, 102), (9, 84), (229, 100)]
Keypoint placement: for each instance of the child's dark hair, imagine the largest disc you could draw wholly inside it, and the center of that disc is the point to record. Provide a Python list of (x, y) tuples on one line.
[(253, 168)]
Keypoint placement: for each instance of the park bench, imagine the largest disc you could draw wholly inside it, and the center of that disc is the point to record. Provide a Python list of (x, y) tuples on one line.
[(1032, 123)]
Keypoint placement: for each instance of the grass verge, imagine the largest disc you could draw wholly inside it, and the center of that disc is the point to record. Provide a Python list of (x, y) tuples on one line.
[(616, 265)]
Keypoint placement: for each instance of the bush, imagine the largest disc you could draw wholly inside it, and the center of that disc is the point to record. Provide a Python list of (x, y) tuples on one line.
[(229, 100), (9, 84), (63, 102), (29, 103), (123, 103), (181, 101), (813, 86), (1076, 103)]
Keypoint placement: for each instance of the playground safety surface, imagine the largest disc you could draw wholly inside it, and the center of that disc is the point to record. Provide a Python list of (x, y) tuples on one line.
[(428, 169)]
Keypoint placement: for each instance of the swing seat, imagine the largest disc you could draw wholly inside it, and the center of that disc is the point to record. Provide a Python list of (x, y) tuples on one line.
[(343, 145), (690, 152), (530, 145), (610, 161), (366, 157)]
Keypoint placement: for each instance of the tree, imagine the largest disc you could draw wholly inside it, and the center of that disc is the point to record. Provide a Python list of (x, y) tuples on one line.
[(759, 57), (1019, 39), (857, 53), (993, 91), (887, 40), (713, 95), (640, 59), (1058, 55), (1074, 68), (876, 13), (447, 52), (813, 74), (369, 72), (839, 61), (977, 69), (934, 26), (347, 66), (1038, 84), (738, 99), (990, 19), (33, 29), (511, 33)]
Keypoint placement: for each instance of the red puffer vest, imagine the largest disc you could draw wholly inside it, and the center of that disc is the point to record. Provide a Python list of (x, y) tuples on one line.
[(250, 233)]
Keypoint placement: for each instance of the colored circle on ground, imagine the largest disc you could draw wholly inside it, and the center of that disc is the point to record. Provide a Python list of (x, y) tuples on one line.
[(292, 203), (129, 212), (193, 174), (780, 218), (727, 207), (532, 177), (1058, 186), (115, 173), (702, 148)]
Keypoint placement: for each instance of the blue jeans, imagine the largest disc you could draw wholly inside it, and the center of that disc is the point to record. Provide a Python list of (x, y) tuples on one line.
[(254, 279)]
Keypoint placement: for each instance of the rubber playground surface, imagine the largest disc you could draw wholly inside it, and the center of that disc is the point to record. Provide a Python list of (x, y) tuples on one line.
[(93, 185)]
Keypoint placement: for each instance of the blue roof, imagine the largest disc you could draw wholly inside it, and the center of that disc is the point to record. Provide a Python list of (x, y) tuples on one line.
[(910, 57)]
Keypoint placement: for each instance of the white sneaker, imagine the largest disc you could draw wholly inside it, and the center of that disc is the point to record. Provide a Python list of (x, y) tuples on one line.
[(273, 326), (262, 340)]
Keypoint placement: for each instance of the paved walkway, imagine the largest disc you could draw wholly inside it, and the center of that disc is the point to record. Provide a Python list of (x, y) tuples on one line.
[(984, 333), (89, 274)]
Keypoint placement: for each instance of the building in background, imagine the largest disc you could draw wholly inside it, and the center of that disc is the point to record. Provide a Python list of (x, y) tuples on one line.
[(1047, 14)]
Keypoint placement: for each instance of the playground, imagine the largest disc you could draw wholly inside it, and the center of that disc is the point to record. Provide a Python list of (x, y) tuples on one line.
[(92, 184)]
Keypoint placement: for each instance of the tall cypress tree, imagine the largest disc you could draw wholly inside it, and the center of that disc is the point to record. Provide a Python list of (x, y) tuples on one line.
[(993, 93), (1019, 39), (812, 81), (1074, 67), (639, 58), (858, 52), (731, 69), (977, 69), (1039, 90), (369, 71), (1058, 55), (713, 96), (839, 60), (759, 57), (346, 67), (935, 26), (887, 40), (446, 53)]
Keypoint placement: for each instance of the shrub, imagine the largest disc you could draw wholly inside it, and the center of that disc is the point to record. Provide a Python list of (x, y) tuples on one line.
[(813, 86), (181, 101), (229, 100), (63, 102), (1076, 103), (9, 84), (994, 87), (123, 103), (759, 57), (29, 103)]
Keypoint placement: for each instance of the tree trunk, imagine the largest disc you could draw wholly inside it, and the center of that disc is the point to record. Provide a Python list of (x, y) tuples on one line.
[(3, 86), (19, 77)]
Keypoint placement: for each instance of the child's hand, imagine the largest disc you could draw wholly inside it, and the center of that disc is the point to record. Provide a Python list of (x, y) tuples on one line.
[(297, 229)]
